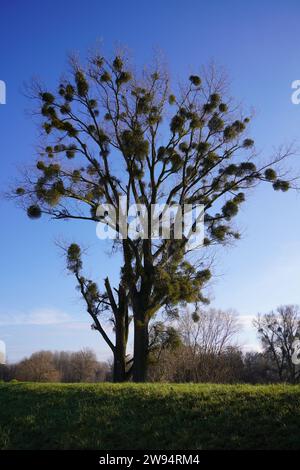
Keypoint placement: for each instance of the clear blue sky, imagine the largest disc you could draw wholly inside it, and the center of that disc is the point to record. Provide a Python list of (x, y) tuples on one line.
[(256, 41)]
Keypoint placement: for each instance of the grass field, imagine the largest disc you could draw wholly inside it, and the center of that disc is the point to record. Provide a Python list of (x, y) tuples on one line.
[(150, 416)]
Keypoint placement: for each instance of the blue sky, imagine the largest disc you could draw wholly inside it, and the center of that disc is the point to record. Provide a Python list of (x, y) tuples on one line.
[(257, 44)]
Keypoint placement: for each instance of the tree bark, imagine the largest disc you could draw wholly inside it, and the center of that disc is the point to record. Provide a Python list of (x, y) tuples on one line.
[(141, 343), (120, 311), (119, 370)]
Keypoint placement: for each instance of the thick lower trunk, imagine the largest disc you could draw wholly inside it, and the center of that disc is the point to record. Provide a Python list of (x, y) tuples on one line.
[(119, 372), (141, 343)]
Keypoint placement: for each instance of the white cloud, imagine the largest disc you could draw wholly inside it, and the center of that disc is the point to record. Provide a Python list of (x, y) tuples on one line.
[(42, 316), (246, 321), (247, 337)]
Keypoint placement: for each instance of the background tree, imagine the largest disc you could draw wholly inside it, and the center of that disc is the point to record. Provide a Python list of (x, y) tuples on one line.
[(277, 331), (162, 338), (113, 132), (84, 366), (205, 352), (59, 366), (209, 331), (80, 366), (39, 367), (259, 368)]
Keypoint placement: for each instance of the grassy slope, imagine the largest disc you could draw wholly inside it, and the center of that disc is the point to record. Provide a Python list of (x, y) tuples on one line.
[(151, 416)]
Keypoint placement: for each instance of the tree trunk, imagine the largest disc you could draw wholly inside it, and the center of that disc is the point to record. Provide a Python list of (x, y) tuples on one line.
[(119, 372), (141, 343)]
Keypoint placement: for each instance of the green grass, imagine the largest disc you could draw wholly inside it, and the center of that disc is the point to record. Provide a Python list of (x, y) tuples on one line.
[(150, 416)]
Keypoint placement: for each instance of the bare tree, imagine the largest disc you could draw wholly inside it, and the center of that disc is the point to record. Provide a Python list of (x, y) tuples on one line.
[(181, 365), (84, 365), (277, 332), (80, 366), (39, 367), (206, 351), (212, 331)]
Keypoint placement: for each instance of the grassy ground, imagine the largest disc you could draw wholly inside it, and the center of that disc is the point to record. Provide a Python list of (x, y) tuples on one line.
[(150, 416)]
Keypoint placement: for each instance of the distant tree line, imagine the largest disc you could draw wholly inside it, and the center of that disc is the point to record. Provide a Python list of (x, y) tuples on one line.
[(62, 366), (199, 347)]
